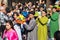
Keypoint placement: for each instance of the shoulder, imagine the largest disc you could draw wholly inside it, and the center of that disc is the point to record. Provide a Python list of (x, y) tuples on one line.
[(33, 20), (13, 31), (55, 13)]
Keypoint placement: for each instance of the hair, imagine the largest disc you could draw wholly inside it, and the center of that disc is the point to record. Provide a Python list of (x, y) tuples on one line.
[(54, 7), (45, 11), (13, 7), (14, 14), (10, 22), (32, 12), (8, 10), (57, 35)]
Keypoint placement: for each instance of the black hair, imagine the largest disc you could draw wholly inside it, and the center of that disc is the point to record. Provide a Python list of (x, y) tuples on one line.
[(13, 7), (10, 22), (41, 7), (45, 11), (32, 12), (57, 35), (54, 7), (14, 14), (8, 10)]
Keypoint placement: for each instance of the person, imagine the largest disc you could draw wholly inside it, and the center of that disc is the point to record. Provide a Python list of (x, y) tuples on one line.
[(58, 6), (9, 32), (31, 27), (42, 26), (3, 19), (25, 13), (57, 35), (17, 25), (9, 13), (54, 26)]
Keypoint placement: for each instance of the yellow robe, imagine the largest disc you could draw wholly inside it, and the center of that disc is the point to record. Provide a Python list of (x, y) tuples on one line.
[(42, 28)]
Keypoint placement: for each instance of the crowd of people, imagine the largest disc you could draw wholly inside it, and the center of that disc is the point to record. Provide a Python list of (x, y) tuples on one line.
[(30, 21)]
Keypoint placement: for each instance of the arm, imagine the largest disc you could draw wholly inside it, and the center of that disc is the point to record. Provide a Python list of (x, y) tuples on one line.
[(43, 20), (30, 26), (55, 16), (14, 36)]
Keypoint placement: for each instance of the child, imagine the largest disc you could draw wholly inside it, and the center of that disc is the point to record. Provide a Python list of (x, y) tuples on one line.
[(10, 33)]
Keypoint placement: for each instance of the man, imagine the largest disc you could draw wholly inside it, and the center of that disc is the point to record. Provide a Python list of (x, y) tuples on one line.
[(57, 35), (31, 27), (54, 26)]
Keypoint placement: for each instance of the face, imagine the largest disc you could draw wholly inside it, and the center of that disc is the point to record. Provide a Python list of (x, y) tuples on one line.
[(31, 16), (43, 2), (50, 6), (9, 14), (41, 9), (54, 10), (8, 26), (15, 16), (43, 13), (16, 7)]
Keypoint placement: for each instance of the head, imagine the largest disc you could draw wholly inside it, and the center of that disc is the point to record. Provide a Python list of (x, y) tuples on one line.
[(57, 35), (15, 15), (9, 25), (14, 8), (31, 15), (54, 9), (50, 5), (59, 3), (8, 10), (13, 3), (43, 13), (43, 2), (41, 8)]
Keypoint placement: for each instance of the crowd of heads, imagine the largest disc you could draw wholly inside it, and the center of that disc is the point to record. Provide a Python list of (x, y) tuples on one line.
[(29, 8)]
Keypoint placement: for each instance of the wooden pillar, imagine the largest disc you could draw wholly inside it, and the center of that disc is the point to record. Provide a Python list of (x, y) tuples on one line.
[(47, 3), (9, 3)]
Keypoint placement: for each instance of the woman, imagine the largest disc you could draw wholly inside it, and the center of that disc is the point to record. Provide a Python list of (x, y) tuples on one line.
[(9, 32), (17, 25), (42, 26)]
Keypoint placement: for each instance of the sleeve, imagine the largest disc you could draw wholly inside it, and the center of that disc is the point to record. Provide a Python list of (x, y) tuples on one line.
[(30, 26), (14, 36), (55, 16), (43, 20), (37, 21)]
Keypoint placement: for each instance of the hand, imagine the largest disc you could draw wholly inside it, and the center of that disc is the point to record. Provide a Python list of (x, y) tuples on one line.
[(28, 18), (24, 23), (50, 14), (39, 16)]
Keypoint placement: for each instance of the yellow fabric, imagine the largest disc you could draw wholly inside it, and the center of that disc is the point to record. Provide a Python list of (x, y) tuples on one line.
[(42, 29), (21, 17), (57, 6)]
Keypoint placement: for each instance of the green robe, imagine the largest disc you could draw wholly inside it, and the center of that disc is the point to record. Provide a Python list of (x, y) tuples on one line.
[(42, 28), (54, 26)]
